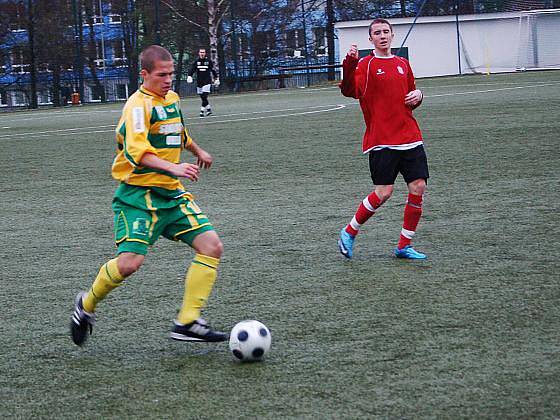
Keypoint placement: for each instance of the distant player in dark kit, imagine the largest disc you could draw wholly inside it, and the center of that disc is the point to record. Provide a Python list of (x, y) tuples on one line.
[(206, 75), (385, 86)]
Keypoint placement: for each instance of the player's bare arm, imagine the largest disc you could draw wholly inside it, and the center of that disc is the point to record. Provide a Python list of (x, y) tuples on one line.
[(183, 170), (413, 98), (203, 158)]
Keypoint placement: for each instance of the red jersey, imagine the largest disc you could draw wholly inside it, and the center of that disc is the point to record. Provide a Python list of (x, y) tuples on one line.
[(381, 83)]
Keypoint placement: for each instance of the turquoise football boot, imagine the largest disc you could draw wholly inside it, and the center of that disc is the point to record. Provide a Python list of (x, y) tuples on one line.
[(409, 253), (346, 243)]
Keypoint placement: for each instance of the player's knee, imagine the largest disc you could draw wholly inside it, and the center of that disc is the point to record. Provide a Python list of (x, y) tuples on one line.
[(215, 249), (129, 263), (208, 243), (384, 192), (417, 187)]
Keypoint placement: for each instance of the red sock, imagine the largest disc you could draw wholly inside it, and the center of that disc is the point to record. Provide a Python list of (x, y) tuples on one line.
[(365, 210), (412, 214)]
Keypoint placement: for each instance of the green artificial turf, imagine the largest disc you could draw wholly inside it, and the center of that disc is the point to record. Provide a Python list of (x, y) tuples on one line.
[(472, 332)]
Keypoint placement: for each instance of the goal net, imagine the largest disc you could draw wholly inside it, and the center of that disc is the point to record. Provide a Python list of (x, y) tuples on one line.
[(539, 40)]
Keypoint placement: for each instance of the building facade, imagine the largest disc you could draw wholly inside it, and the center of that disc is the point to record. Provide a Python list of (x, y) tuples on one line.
[(92, 41)]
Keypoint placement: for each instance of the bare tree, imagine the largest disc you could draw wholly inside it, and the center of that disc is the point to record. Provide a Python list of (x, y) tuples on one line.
[(447, 7), (9, 17), (92, 50), (261, 32), (212, 12), (130, 26), (264, 40), (31, 45), (53, 20), (179, 38)]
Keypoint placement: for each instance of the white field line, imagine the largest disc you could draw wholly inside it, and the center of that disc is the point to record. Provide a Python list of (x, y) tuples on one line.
[(64, 113), (284, 91), (293, 91), (111, 128), (76, 130), (333, 108), (261, 112), (491, 90), (528, 82), (49, 114), (356, 102), (330, 107), (213, 117)]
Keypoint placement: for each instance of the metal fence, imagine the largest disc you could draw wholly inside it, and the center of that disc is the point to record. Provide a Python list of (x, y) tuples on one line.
[(117, 89)]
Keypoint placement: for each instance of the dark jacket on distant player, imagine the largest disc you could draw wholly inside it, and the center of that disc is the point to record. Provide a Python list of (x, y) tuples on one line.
[(204, 69)]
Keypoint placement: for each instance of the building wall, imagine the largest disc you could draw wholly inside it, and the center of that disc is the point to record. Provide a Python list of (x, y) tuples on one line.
[(489, 42)]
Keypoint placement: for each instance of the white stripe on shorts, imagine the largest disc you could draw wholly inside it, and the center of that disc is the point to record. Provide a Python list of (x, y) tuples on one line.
[(203, 89)]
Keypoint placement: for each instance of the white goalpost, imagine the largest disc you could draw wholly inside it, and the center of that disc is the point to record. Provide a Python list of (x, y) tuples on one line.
[(539, 40)]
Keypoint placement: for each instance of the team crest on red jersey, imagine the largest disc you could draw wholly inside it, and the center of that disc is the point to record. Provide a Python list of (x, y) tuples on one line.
[(400, 69)]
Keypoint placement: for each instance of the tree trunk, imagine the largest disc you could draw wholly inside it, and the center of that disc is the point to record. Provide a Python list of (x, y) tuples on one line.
[(80, 50), (403, 8), (221, 53), (330, 39), (56, 86), (33, 64), (129, 26), (180, 58), (213, 32), (92, 55)]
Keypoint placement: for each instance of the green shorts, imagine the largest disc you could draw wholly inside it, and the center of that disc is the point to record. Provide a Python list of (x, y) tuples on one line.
[(136, 229)]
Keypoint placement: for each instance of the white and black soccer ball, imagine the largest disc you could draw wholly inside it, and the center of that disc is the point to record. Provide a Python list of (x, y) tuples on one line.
[(249, 341)]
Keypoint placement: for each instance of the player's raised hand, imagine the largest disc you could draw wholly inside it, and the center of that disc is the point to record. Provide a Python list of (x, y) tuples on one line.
[(413, 98), (204, 159), (353, 52), (186, 170)]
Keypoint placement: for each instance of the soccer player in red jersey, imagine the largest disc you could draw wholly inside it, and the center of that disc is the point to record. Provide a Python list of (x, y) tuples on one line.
[(385, 86)]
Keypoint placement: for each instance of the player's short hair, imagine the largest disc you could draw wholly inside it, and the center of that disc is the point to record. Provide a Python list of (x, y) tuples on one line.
[(151, 54), (379, 20)]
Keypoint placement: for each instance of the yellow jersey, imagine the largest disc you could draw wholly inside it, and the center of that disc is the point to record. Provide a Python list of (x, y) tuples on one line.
[(150, 124)]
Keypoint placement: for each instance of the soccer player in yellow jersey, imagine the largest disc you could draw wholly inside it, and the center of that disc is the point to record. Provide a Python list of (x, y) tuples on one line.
[(151, 202)]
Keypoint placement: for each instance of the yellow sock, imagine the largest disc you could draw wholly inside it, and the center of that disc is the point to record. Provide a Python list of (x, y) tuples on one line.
[(107, 279), (198, 285)]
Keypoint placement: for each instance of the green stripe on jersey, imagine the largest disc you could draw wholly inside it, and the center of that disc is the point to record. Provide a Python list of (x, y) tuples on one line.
[(144, 170), (122, 129), (164, 113), (122, 132), (165, 141), (128, 156)]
